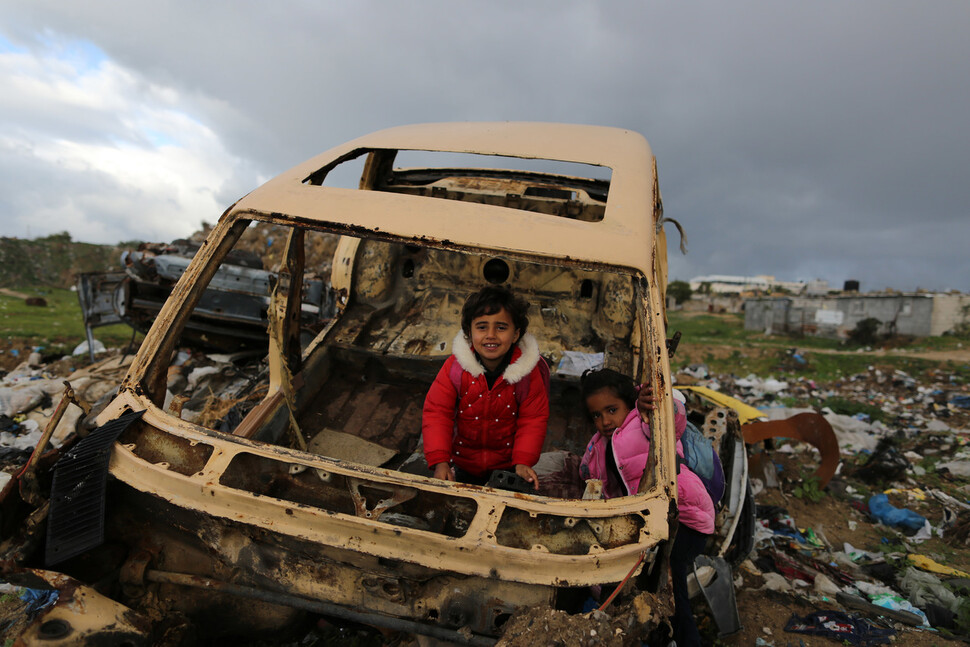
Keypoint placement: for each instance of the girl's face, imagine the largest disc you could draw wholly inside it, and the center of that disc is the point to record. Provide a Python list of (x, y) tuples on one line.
[(492, 337), (607, 410)]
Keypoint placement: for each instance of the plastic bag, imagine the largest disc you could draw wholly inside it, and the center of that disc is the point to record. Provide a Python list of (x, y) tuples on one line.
[(890, 515)]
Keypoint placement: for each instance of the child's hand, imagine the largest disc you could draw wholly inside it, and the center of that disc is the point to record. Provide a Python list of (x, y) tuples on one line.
[(528, 474), (443, 471), (646, 402)]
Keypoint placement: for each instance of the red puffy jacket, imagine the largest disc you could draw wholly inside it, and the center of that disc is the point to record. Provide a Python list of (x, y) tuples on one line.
[(492, 430)]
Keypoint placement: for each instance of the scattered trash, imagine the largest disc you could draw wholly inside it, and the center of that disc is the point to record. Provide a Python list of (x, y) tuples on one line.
[(888, 605), (697, 371), (575, 362), (898, 603), (959, 468), (21, 398), (855, 554), (961, 401), (890, 515), (82, 348), (776, 582), (923, 588), (824, 586), (927, 564), (841, 626), (884, 466)]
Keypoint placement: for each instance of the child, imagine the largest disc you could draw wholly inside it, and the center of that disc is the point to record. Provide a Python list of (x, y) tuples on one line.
[(489, 404), (617, 455)]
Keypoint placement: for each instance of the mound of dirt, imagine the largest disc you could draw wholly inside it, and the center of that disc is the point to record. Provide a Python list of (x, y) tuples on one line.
[(621, 626)]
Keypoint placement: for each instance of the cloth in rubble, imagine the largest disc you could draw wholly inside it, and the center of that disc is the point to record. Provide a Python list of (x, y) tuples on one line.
[(834, 624), (890, 515)]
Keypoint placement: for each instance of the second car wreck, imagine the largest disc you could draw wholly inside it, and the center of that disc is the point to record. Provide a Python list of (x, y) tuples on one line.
[(318, 499)]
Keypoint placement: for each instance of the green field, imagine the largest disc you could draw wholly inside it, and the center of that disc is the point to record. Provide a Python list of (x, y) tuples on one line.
[(57, 327), (721, 342), (718, 340)]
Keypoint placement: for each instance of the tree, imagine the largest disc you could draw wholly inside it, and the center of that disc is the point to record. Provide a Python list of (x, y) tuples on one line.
[(679, 290), (865, 332)]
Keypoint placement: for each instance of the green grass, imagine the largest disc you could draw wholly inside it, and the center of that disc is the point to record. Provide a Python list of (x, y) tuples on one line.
[(709, 328), (729, 328), (59, 324), (755, 352), (850, 408)]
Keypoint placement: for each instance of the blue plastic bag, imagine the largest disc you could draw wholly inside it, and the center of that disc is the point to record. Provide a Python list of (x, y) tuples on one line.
[(890, 515), (38, 599)]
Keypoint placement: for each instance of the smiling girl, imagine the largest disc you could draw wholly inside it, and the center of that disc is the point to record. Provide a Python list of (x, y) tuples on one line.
[(617, 455), (489, 404)]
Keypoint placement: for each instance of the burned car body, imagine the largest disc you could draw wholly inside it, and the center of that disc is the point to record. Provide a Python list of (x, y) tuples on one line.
[(231, 314), (315, 500)]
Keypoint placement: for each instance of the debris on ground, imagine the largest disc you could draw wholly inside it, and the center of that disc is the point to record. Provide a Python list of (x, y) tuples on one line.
[(619, 626), (881, 549), (878, 551)]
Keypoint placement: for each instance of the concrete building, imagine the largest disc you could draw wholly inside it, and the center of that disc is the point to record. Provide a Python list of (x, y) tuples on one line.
[(916, 314), (719, 283), (727, 284)]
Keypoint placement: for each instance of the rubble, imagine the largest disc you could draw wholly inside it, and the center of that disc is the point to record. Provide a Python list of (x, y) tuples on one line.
[(793, 560), (894, 431)]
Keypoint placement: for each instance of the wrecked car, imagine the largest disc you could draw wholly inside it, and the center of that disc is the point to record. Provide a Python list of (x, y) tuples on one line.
[(230, 316), (318, 499)]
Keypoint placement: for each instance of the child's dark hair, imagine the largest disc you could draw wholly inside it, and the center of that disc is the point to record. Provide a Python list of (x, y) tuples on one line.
[(490, 300), (622, 386)]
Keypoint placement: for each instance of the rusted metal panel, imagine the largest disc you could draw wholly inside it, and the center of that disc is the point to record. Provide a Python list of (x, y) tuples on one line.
[(811, 428), (81, 616), (322, 518), (627, 229), (246, 511)]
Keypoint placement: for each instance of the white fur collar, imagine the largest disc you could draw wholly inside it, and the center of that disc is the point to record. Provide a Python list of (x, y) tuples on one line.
[(515, 371)]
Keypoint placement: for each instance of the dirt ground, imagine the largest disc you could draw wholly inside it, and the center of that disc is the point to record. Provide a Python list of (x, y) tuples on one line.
[(764, 613)]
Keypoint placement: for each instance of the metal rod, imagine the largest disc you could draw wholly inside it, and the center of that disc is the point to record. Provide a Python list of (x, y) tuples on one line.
[(323, 608), (66, 399)]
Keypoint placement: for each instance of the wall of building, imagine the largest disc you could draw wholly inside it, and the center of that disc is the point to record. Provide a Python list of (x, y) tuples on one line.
[(710, 303), (951, 311), (919, 315), (900, 314)]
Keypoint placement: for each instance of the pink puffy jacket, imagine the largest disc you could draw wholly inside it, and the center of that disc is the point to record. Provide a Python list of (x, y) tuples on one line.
[(631, 448)]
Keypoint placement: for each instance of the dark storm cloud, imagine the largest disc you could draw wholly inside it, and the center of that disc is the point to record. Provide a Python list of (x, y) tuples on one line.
[(822, 139)]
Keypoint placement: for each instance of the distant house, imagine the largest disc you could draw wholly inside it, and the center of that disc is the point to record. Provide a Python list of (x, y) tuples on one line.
[(917, 314), (727, 284)]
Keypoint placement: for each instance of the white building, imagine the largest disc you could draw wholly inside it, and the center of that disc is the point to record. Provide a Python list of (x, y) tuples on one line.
[(723, 283)]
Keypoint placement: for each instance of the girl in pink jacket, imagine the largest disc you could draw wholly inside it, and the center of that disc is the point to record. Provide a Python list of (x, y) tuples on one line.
[(617, 455)]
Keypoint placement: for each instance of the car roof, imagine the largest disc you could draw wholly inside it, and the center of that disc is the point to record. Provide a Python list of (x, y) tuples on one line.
[(624, 237)]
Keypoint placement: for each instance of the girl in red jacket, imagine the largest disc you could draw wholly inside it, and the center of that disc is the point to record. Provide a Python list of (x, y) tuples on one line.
[(489, 404)]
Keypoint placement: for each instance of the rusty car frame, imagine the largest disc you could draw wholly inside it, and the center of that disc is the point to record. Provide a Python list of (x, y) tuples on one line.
[(318, 500)]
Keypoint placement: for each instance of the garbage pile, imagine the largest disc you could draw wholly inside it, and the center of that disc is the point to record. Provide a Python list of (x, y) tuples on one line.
[(896, 396), (29, 395), (882, 548), (213, 390)]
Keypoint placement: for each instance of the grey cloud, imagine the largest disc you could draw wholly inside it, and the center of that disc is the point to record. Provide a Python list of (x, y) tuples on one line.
[(818, 139)]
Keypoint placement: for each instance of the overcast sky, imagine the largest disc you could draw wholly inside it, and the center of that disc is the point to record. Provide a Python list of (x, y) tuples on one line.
[(804, 140)]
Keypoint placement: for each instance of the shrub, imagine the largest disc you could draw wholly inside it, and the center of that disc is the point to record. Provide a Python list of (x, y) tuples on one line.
[(865, 332), (679, 290)]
